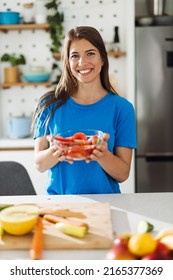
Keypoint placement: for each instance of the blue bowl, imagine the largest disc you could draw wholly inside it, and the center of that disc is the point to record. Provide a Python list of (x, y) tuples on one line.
[(35, 78)]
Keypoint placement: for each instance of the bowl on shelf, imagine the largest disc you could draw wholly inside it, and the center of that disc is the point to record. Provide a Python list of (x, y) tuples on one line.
[(145, 21), (78, 144), (36, 77)]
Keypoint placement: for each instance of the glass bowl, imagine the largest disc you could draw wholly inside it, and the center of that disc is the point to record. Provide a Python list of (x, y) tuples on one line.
[(78, 144)]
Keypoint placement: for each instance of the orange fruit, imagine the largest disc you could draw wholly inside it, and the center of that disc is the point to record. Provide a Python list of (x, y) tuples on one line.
[(141, 244)]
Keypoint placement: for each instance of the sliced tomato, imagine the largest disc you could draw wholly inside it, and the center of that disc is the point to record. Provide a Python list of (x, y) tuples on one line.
[(79, 136), (94, 139), (76, 152), (63, 139)]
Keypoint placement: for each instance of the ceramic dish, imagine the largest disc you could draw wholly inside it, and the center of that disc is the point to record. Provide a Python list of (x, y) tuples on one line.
[(145, 21), (37, 77)]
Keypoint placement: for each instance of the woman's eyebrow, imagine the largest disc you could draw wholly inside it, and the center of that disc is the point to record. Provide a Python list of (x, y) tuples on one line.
[(91, 50)]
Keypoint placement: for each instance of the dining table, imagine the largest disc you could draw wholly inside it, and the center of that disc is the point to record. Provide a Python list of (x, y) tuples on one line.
[(126, 211)]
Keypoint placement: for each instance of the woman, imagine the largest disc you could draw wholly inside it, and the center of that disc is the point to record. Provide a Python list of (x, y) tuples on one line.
[(84, 98)]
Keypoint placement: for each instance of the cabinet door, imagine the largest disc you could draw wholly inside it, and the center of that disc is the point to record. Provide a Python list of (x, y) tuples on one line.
[(26, 158)]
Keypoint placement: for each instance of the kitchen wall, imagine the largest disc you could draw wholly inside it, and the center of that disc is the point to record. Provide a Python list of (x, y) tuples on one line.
[(103, 15)]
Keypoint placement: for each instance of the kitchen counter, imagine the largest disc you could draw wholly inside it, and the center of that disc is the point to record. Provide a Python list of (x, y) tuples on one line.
[(126, 212), (16, 144)]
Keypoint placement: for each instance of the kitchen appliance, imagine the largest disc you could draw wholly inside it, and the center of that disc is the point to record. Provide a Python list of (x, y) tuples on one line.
[(154, 108), (156, 7)]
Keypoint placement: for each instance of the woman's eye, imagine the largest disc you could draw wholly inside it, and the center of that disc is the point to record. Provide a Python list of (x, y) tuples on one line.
[(91, 53), (74, 56)]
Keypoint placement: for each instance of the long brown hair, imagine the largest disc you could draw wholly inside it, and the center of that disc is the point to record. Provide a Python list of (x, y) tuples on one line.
[(67, 84)]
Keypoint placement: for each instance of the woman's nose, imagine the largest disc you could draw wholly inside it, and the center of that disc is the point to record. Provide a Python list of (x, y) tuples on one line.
[(82, 60)]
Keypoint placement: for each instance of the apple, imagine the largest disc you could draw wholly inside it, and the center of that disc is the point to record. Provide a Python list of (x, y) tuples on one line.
[(120, 250), (162, 252)]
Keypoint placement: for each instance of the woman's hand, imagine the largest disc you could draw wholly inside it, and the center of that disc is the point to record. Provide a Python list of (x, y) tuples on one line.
[(57, 151), (100, 150)]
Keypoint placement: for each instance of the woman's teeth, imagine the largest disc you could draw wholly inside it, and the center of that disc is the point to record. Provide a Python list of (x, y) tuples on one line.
[(85, 71)]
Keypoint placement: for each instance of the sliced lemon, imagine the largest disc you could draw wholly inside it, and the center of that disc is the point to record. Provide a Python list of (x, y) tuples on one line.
[(19, 219)]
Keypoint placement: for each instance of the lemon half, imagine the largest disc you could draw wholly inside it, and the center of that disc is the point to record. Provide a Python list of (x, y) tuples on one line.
[(19, 219)]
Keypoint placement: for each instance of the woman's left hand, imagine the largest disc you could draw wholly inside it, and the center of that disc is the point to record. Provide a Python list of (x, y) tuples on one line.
[(100, 150)]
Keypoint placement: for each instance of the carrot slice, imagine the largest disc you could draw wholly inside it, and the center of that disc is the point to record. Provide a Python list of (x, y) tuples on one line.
[(55, 219), (37, 241)]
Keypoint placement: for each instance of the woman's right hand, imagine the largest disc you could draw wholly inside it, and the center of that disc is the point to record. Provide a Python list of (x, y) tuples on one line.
[(57, 151)]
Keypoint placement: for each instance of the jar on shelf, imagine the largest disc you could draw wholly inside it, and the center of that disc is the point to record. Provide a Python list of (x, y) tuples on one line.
[(41, 12), (28, 12)]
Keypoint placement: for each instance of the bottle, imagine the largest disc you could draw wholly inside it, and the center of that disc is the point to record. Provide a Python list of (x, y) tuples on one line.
[(116, 40)]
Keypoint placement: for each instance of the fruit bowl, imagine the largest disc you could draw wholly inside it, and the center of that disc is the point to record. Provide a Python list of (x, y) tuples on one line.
[(78, 144)]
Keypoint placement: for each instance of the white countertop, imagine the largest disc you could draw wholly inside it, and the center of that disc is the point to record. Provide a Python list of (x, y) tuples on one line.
[(126, 212), (16, 143)]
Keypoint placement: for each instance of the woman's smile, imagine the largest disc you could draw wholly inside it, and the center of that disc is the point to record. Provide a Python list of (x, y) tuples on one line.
[(84, 72)]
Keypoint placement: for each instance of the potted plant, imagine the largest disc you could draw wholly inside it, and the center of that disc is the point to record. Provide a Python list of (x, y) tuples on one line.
[(12, 74), (56, 30)]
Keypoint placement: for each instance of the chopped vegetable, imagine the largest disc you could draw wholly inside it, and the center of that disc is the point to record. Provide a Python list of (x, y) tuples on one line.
[(144, 227), (37, 241), (72, 230), (55, 219)]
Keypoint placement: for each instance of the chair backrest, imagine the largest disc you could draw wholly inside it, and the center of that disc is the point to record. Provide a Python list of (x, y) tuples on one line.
[(14, 179)]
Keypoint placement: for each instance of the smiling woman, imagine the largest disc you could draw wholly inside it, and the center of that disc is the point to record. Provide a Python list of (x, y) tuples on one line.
[(85, 99)]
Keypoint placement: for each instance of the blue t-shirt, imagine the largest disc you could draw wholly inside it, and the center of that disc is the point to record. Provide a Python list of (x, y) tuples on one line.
[(112, 114)]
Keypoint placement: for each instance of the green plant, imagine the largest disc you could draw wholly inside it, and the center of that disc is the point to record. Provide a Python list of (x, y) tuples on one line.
[(56, 30), (13, 59), (55, 19)]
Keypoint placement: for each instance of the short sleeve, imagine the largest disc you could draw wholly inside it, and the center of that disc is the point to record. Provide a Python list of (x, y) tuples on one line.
[(41, 128), (126, 126)]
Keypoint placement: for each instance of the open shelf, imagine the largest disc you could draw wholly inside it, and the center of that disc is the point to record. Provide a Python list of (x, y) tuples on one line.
[(23, 84), (116, 54), (31, 26)]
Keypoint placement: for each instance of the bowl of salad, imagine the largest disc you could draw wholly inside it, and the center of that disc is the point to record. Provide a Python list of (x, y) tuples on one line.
[(78, 145)]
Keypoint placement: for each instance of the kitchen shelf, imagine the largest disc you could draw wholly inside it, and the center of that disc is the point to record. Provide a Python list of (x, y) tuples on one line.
[(23, 84), (31, 26), (116, 54)]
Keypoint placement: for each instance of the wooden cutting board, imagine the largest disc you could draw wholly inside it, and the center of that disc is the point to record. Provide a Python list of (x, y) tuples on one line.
[(96, 215)]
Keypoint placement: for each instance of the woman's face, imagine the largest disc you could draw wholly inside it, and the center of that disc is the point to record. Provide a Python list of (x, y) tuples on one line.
[(85, 61)]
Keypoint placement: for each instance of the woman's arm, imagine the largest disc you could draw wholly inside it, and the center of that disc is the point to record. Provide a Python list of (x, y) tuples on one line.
[(117, 166), (43, 156), (47, 154)]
